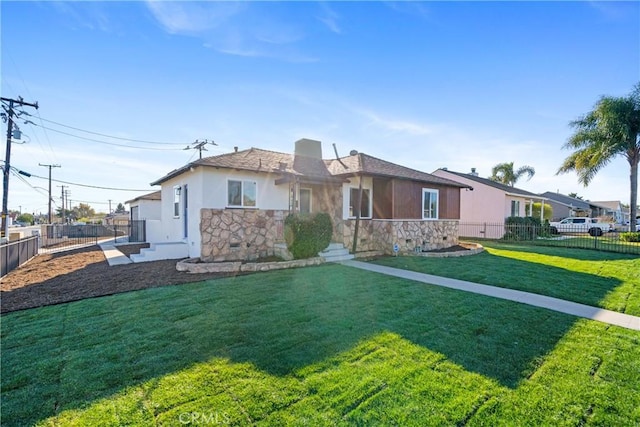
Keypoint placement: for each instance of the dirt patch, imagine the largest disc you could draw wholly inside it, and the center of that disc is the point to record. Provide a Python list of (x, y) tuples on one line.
[(84, 273)]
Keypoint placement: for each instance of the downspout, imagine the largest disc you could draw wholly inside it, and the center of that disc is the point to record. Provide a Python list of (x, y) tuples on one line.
[(358, 207)]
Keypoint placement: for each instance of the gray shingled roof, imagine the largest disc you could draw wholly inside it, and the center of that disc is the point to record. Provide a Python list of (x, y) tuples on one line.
[(156, 195), (361, 163), (566, 200), (259, 160), (498, 185)]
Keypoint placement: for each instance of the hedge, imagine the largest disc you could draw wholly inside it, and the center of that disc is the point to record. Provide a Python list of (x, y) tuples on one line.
[(307, 234)]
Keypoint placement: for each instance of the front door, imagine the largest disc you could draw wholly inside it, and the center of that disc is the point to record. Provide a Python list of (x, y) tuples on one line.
[(305, 200)]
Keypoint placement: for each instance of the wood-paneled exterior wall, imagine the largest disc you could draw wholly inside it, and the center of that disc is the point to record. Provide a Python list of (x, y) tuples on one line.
[(402, 199)]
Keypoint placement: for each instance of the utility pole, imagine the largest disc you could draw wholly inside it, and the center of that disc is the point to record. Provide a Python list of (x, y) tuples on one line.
[(199, 145), (62, 212), (7, 162), (109, 205), (50, 199), (66, 193)]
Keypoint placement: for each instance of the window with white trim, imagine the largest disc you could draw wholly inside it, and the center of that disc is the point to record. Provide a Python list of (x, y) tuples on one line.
[(515, 208), (430, 203), (176, 201), (365, 206), (241, 194)]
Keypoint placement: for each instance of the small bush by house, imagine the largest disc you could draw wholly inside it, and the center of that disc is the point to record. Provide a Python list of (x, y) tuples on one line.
[(306, 235), (633, 237), (527, 228)]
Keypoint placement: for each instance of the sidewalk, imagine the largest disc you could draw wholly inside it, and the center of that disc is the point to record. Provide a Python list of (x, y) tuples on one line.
[(562, 306), (112, 254)]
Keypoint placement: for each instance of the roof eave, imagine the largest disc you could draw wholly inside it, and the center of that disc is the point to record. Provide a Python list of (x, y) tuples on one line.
[(529, 196), (450, 182)]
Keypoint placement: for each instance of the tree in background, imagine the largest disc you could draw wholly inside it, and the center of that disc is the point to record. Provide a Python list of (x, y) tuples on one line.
[(548, 211), (26, 218), (120, 208), (611, 129), (505, 174), (575, 196), (83, 210), (63, 214)]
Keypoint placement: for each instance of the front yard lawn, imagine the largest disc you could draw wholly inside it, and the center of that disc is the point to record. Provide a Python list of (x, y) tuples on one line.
[(328, 345), (601, 279)]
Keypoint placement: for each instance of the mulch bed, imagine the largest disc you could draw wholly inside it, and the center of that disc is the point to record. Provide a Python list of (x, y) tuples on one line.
[(456, 248), (84, 273)]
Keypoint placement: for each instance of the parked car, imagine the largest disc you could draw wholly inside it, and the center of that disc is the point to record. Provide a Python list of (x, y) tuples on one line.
[(581, 225)]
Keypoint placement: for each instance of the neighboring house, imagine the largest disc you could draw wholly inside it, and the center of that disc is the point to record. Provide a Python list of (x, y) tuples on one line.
[(490, 203), (233, 206), (612, 209), (566, 206), (121, 218), (146, 208)]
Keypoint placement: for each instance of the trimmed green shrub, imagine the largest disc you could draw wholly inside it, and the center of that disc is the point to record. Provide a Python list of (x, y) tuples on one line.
[(306, 235), (527, 228), (630, 236)]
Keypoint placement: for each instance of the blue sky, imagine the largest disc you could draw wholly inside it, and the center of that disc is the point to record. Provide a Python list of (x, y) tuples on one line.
[(421, 84)]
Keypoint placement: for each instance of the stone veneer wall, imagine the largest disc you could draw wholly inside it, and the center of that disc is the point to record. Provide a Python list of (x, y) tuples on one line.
[(240, 234), (245, 235), (382, 234)]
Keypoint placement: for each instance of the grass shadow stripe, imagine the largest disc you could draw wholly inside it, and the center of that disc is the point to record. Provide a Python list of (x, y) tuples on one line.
[(369, 395), (474, 410)]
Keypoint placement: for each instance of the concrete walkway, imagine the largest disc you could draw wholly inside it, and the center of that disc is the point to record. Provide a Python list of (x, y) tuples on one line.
[(562, 306), (113, 255)]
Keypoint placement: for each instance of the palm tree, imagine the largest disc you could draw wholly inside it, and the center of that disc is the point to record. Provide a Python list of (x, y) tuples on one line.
[(505, 174), (612, 128)]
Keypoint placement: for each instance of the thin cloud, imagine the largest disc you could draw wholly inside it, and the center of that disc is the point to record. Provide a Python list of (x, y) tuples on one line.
[(409, 7), (193, 17), (329, 18), (89, 15), (615, 11), (396, 126), (240, 29)]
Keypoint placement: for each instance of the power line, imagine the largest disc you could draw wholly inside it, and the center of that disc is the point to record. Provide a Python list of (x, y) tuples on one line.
[(92, 203), (199, 145), (21, 178), (87, 185), (105, 135), (101, 142), (47, 138)]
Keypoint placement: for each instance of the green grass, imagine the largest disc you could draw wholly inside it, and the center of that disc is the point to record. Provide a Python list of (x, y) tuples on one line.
[(326, 345), (601, 279)]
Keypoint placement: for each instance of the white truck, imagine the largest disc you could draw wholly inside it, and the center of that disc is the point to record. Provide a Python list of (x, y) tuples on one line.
[(581, 225)]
